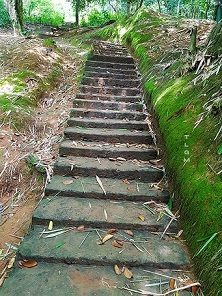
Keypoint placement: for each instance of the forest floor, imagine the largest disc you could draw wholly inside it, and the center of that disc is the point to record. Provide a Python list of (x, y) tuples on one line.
[(22, 187)]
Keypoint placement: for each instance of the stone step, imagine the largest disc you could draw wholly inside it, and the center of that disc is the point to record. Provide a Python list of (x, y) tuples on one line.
[(73, 212), (112, 59), (162, 253), (107, 114), (107, 123), (103, 82), (111, 52), (107, 105), (103, 149), (116, 91), (108, 135), (112, 98), (104, 69), (111, 65), (85, 280), (106, 74), (88, 187), (86, 166)]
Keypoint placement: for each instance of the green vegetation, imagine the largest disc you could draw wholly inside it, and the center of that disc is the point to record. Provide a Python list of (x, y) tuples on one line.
[(193, 149), (4, 15), (97, 18)]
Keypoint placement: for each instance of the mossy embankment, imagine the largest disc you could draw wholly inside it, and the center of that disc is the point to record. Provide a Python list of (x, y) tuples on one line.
[(187, 103)]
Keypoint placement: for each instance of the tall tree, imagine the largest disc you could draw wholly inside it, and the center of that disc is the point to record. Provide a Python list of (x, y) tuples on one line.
[(15, 10)]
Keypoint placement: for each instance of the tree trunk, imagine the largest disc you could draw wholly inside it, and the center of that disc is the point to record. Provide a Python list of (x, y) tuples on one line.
[(218, 11), (193, 41), (77, 13), (139, 4), (128, 10), (214, 42), (15, 10), (159, 6)]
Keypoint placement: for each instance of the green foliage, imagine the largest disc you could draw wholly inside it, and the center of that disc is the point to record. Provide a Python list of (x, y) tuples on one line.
[(4, 16), (34, 163), (42, 12), (97, 18)]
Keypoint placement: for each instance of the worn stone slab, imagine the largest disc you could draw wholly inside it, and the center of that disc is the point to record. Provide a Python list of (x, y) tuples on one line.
[(165, 253), (126, 66), (85, 166), (105, 69), (50, 279), (107, 105), (112, 98), (66, 211), (101, 81), (103, 149), (109, 90), (88, 187), (107, 74), (112, 58), (110, 114), (108, 135), (108, 123)]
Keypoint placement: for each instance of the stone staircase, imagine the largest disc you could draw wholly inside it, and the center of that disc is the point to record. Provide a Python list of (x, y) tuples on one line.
[(105, 179)]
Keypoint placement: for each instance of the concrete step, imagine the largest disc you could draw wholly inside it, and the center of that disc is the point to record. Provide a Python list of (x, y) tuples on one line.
[(86, 166), (107, 105), (108, 135), (103, 149), (116, 91), (103, 82), (88, 187), (108, 114), (69, 212), (112, 71), (112, 59), (107, 123), (111, 98), (56, 279), (106, 74), (163, 253), (125, 66)]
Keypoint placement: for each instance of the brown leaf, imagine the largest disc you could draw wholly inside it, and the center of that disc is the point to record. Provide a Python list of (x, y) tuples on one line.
[(11, 262), (106, 238), (67, 182), (117, 270), (154, 161), (125, 181), (29, 263), (112, 230), (129, 232), (81, 228), (193, 289), (172, 283), (128, 274), (130, 188), (75, 177), (117, 244)]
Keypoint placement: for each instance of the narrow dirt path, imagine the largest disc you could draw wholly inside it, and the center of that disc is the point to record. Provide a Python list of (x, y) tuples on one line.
[(111, 231)]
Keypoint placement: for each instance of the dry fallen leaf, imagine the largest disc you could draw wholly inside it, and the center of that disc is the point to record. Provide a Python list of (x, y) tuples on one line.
[(29, 263), (125, 181), (129, 232), (106, 238), (117, 244), (128, 274), (81, 228), (67, 182), (172, 283), (141, 218), (50, 227), (117, 270), (121, 159), (130, 188), (193, 289), (11, 262), (112, 230), (75, 177), (100, 184), (154, 161)]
